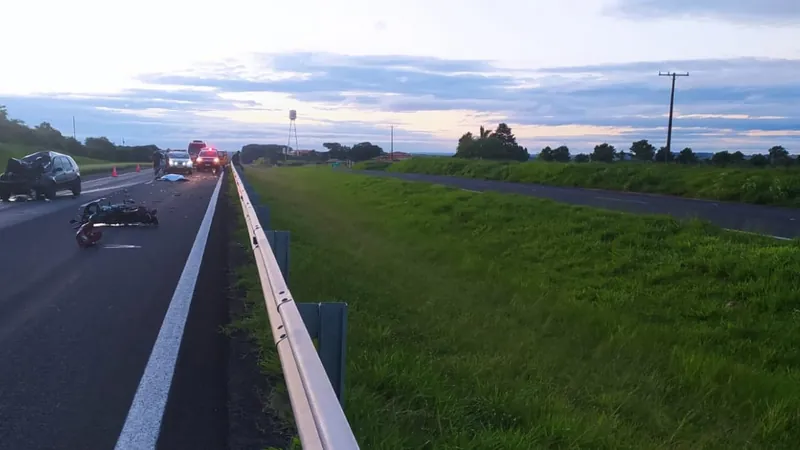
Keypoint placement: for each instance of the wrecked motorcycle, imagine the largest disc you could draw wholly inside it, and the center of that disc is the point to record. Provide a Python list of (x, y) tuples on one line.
[(102, 211), (87, 235)]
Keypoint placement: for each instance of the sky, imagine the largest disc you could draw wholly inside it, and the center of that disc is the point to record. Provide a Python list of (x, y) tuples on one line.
[(559, 72)]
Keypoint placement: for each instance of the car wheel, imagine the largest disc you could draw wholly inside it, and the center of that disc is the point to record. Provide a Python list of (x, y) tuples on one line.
[(76, 188), (5, 194), (50, 192)]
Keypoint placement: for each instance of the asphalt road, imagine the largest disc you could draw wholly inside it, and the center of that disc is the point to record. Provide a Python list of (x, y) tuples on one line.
[(78, 327), (782, 223)]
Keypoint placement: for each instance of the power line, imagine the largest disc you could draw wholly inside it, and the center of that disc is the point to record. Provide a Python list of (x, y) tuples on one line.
[(671, 105)]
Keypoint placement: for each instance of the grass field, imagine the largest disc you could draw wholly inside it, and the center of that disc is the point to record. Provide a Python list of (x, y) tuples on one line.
[(773, 186), (490, 321), (88, 165)]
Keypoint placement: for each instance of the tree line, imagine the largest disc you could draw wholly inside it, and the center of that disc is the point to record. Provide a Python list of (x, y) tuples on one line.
[(273, 153), (501, 144), (45, 137), (644, 151)]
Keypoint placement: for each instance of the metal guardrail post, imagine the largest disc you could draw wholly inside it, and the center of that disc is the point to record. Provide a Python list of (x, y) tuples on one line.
[(327, 323), (279, 241), (321, 422)]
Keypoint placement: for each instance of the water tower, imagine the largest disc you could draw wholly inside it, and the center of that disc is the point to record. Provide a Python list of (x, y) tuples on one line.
[(292, 126)]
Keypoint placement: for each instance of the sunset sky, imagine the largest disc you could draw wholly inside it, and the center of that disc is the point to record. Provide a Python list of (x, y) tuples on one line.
[(558, 72)]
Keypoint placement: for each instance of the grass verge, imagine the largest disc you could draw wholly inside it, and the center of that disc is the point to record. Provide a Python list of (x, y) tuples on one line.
[(273, 425), (490, 321), (773, 186)]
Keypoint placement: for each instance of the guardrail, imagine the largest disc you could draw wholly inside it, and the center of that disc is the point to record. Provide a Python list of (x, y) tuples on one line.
[(315, 385)]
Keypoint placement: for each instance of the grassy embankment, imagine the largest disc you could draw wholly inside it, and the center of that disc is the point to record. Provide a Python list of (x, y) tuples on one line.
[(88, 165), (489, 321), (773, 186)]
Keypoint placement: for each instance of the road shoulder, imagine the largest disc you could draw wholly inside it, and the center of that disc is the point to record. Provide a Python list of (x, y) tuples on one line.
[(259, 413)]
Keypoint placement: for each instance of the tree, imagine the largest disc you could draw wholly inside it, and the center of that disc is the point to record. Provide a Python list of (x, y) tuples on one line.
[(642, 150), (467, 145), (722, 158), (778, 156), (581, 158), (687, 156), (759, 160), (498, 145), (337, 150), (546, 154), (271, 153), (603, 153), (561, 154), (364, 151), (662, 155)]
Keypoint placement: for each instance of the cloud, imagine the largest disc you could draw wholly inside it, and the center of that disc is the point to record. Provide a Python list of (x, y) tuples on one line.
[(767, 11), (746, 104)]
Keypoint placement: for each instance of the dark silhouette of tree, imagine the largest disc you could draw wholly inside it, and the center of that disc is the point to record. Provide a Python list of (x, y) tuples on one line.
[(687, 156), (603, 153), (642, 150)]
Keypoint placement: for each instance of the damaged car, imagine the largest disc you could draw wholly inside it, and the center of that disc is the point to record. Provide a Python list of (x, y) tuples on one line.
[(40, 174)]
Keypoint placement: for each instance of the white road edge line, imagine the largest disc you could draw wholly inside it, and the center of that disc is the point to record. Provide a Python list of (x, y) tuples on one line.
[(143, 423), (625, 200), (780, 238)]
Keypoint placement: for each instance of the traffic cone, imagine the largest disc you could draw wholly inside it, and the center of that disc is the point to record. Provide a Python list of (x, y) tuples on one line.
[(138, 169), (114, 171)]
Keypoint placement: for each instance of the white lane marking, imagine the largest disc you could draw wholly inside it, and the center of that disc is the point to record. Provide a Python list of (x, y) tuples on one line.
[(143, 423), (121, 246), (780, 238), (118, 186), (621, 200)]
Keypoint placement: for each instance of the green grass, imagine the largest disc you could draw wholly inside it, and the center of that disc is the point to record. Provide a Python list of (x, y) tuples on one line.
[(490, 321), (254, 322), (88, 165), (773, 186), (372, 165)]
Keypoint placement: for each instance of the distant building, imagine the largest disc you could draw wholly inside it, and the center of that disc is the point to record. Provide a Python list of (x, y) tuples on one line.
[(300, 152), (398, 156)]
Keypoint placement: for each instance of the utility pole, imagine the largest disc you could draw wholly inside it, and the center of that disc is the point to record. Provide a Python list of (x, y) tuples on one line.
[(73, 129), (391, 145), (671, 105)]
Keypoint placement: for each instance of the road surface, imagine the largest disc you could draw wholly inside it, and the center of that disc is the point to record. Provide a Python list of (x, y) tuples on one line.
[(77, 327), (781, 223)]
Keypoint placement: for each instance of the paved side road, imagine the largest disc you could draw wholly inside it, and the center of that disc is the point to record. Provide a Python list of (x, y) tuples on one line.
[(768, 220), (89, 338)]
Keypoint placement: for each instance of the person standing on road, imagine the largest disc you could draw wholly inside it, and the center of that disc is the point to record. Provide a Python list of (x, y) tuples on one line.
[(158, 157)]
